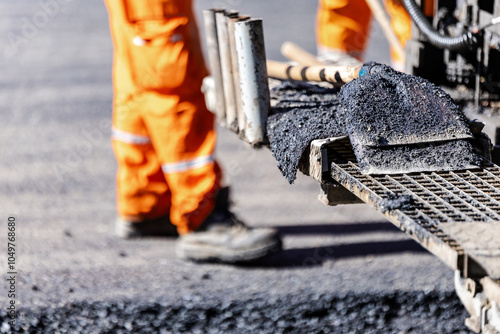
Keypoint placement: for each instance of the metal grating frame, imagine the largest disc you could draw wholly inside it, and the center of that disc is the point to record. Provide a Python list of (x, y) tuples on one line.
[(440, 202)]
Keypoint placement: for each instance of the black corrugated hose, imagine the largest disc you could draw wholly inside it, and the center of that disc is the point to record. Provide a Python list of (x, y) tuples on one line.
[(465, 42)]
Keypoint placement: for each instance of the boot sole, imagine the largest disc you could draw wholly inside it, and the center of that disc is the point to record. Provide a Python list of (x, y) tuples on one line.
[(214, 254)]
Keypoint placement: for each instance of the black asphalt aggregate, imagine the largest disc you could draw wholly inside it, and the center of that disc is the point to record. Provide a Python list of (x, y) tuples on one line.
[(302, 113), (399, 123), (344, 269)]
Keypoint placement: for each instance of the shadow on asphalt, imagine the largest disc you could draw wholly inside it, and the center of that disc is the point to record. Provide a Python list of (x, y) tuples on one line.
[(314, 256), (337, 228)]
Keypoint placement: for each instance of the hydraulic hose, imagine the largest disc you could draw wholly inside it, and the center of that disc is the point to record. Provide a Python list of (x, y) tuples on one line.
[(465, 42)]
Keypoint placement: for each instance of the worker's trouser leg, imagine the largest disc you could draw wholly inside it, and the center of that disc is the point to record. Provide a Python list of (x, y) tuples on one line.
[(164, 146), (401, 25), (343, 25)]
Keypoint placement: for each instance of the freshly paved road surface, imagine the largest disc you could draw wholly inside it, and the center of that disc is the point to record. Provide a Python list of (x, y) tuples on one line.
[(344, 269)]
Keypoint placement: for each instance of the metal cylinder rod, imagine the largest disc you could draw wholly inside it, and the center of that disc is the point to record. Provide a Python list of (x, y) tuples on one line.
[(226, 68), (236, 73), (214, 62), (253, 83)]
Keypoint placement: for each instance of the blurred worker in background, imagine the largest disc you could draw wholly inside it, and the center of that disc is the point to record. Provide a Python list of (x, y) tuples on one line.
[(168, 181), (343, 27)]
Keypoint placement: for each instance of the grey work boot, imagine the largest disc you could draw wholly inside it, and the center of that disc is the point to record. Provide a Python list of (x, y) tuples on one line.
[(159, 227), (223, 238)]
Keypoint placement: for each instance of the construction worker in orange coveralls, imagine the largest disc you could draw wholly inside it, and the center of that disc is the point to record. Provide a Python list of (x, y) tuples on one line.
[(168, 181), (343, 27)]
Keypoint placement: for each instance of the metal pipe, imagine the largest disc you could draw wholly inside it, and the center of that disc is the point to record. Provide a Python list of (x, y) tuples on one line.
[(236, 73), (226, 68), (253, 83), (214, 62)]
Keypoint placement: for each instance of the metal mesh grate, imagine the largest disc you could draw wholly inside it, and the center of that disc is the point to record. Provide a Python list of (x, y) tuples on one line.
[(443, 205), (429, 208), (464, 196)]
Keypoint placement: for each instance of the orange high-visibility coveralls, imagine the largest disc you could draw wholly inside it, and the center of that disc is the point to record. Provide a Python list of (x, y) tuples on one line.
[(343, 25), (163, 135)]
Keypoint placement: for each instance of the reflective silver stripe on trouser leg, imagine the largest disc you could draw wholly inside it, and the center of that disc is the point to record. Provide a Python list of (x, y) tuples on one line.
[(129, 138), (183, 166)]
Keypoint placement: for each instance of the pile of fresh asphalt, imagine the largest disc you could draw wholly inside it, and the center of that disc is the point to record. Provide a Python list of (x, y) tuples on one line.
[(399, 123), (388, 107), (398, 312), (424, 157), (301, 113)]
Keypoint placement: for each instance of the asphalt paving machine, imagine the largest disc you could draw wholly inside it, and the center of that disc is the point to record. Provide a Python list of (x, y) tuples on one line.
[(454, 214), (459, 48)]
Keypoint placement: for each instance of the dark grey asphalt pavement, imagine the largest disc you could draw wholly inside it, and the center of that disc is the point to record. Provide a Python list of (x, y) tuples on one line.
[(57, 179)]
